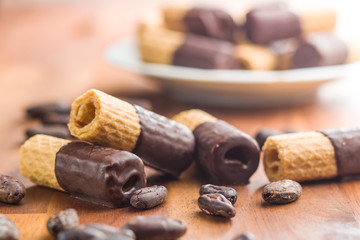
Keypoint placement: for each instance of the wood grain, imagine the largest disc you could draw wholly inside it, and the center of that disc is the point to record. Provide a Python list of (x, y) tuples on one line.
[(43, 60)]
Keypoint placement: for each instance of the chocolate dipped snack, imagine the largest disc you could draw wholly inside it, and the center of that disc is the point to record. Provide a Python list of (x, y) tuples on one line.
[(162, 46), (212, 23), (108, 121), (313, 155), (93, 173), (320, 49), (225, 154)]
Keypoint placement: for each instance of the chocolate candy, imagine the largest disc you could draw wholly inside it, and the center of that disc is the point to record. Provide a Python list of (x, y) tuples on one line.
[(227, 155), (320, 49), (207, 53), (101, 175), (267, 24)]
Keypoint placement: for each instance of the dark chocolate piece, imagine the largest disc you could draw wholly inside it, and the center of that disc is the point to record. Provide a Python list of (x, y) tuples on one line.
[(346, 143), (207, 53), (163, 143), (212, 23), (225, 154), (264, 25), (98, 174), (320, 49), (59, 131), (40, 110)]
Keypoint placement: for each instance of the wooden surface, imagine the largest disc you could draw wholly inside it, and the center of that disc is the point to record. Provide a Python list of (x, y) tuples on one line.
[(53, 51)]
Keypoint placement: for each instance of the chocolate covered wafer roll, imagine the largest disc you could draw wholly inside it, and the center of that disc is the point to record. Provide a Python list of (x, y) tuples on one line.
[(108, 121), (225, 154), (312, 155), (212, 23), (162, 46), (320, 49), (93, 173)]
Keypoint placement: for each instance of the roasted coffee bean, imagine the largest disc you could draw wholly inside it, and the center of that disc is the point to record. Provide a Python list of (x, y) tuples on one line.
[(8, 230), (11, 189), (59, 131), (95, 231), (40, 111), (245, 236), (216, 204), (55, 119), (283, 191), (148, 197), (62, 220), (228, 192), (156, 227)]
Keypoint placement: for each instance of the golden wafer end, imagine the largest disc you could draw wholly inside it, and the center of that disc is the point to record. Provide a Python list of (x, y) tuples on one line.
[(318, 20), (193, 118), (299, 156), (173, 17), (255, 57), (37, 159)]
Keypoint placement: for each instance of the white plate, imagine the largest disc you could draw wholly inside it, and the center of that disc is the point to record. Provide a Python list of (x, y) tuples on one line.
[(242, 88)]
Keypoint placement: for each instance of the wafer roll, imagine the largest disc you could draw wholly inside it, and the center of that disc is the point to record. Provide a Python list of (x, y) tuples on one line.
[(255, 57), (93, 173), (213, 23), (312, 155), (160, 142), (317, 20), (225, 154), (37, 160), (162, 46)]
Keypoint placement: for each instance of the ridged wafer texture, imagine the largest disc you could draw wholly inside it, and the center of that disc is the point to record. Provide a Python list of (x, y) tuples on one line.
[(193, 118), (173, 17), (255, 57), (320, 20), (158, 44), (37, 159), (103, 119), (299, 156)]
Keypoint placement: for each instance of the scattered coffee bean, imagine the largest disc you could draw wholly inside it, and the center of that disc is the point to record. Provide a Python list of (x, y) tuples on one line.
[(40, 111), (62, 220), (52, 130), (11, 189), (148, 197), (216, 204), (245, 236), (8, 230), (94, 231), (156, 227), (55, 119), (283, 191), (228, 192)]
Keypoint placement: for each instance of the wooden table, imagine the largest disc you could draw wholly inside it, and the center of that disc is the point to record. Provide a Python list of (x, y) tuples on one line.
[(53, 52)]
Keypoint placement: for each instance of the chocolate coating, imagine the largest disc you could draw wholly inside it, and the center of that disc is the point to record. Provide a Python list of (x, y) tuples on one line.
[(207, 53), (320, 49), (264, 25), (98, 174), (163, 143), (212, 23), (225, 154), (346, 143)]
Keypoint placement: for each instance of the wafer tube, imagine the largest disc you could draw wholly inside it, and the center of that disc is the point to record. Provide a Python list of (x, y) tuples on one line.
[(225, 154), (213, 23), (312, 155), (162, 46), (317, 20), (93, 173), (255, 57), (160, 142)]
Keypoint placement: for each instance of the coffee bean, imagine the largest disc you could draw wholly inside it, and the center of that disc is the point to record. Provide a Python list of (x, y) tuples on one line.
[(216, 204), (148, 197), (11, 189), (156, 227), (283, 191), (228, 192), (62, 220), (40, 111), (52, 130), (245, 236), (8, 230), (55, 119), (95, 231)]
